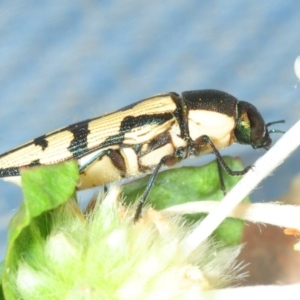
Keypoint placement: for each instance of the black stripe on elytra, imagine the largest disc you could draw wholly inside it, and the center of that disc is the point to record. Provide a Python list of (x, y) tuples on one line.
[(113, 140), (8, 172), (41, 141), (131, 122), (211, 100), (78, 146), (15, 171)]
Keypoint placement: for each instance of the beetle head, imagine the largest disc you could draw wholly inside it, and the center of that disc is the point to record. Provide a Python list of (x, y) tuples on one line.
[(251, 128)]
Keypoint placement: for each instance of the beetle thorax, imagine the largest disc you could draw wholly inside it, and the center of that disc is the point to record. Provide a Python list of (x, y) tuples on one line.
[(219, 127)]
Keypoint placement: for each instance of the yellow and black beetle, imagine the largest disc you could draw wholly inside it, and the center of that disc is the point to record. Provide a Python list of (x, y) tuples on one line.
[(142, 137)]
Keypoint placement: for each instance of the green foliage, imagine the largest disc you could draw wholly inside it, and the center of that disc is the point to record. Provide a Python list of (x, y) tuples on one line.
[(45, 189), (192, 184)]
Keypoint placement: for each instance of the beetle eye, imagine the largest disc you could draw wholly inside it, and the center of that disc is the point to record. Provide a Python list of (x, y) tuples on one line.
[(257, 125)]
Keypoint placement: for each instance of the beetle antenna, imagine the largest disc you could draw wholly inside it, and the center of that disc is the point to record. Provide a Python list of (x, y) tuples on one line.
[(275, 130), (275, 122)]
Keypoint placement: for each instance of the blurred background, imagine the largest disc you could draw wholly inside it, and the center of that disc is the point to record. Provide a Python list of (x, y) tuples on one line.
[(64, 61)]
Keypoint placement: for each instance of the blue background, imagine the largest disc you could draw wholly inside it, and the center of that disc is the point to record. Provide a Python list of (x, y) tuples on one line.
[(63, 61)]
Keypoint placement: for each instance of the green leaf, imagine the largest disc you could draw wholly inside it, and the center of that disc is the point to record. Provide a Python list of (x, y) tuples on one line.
[(191, 184), (44, 189), (1, 275)]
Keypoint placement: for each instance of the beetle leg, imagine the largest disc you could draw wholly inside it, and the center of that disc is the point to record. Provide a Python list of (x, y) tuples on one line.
[(221, 178), (220, 159), (143, 199), (105, 189), (168, 160)]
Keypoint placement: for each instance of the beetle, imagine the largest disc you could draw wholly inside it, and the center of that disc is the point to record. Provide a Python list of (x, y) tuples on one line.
[(142, 137)]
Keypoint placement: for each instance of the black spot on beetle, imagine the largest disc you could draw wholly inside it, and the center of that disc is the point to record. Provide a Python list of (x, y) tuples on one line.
[(9, 172), (78, 146), (35, 162), (41, 141), (15, 171)]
